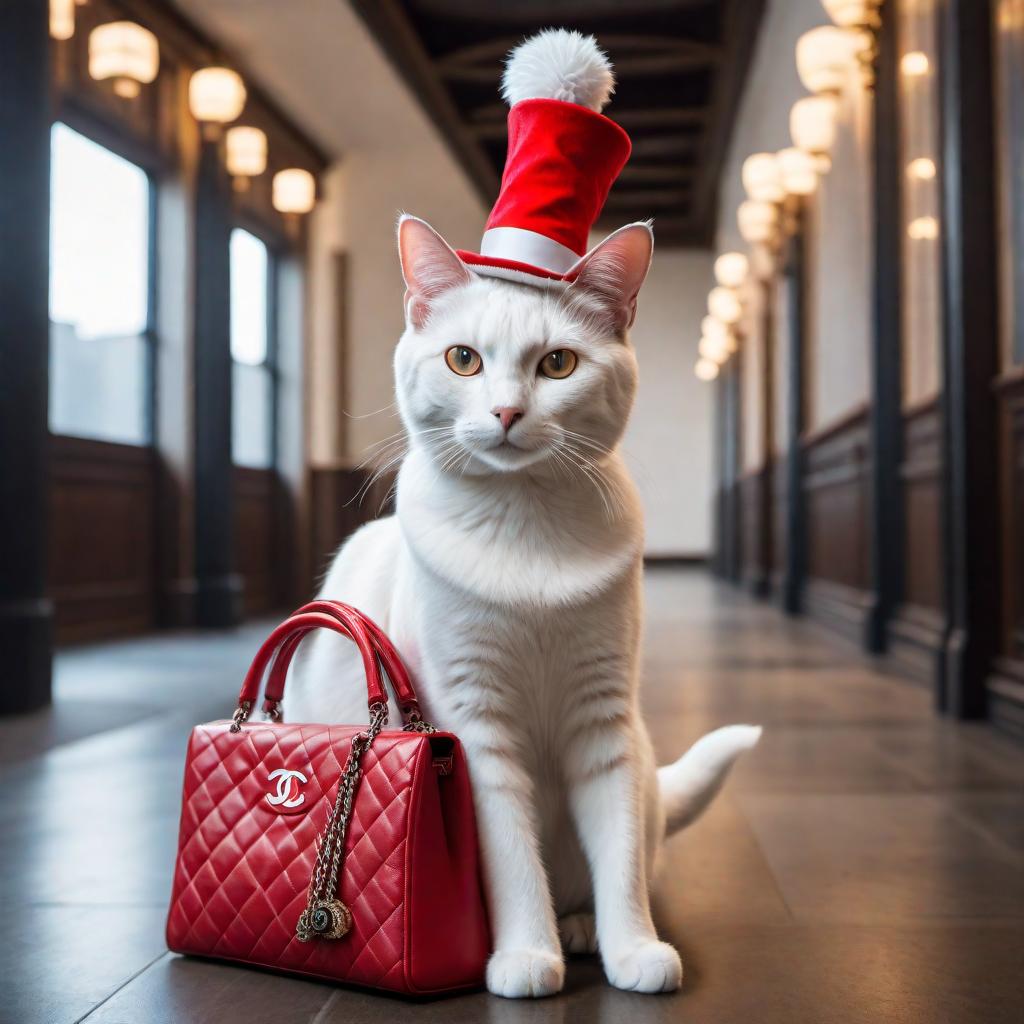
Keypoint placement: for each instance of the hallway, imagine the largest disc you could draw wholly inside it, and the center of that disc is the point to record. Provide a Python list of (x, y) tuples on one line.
[(865, 863)]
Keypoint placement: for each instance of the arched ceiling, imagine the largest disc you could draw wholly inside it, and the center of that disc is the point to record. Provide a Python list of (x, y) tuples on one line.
[(680, 65)]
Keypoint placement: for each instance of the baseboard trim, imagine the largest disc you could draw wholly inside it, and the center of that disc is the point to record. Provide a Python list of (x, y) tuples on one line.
[(674, 561), (841, 608), (915, 643), (1006, 697)]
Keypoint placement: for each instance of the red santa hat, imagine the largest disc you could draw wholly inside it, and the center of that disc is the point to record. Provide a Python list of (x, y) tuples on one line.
[(563, 156)]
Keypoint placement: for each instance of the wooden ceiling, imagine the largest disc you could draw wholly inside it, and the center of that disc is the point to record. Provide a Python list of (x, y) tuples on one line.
[(680, 66)]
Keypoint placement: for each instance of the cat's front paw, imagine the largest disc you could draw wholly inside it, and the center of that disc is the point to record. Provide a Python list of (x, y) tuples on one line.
[(524, 973), (650, 966), (578, 933)]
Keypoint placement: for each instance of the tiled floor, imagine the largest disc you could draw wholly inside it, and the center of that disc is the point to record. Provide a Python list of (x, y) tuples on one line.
[(865, 864)]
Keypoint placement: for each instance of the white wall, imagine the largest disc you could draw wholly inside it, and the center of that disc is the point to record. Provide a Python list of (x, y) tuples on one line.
[(838, 229), (365, 194), (668, 443)]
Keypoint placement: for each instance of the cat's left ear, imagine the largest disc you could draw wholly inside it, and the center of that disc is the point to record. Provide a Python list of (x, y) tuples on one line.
[(429, 265), (614, 270)]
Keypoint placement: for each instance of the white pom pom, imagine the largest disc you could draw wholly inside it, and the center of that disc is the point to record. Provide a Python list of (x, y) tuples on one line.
[(560, 65)]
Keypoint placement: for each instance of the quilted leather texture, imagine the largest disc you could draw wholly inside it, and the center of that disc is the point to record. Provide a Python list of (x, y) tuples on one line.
[(244, 866)]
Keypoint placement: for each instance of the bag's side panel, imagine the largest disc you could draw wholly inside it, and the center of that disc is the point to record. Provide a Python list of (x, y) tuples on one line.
[(245, 862), (449, 940)]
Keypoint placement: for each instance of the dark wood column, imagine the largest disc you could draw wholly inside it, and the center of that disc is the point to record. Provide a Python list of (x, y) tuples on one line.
[(219, 596), (885, 416), (969, 357), (762, 582), (26, 613), (732, 524), (795, 569)]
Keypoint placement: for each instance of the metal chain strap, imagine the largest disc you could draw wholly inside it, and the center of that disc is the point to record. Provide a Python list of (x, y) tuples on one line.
[(325, 916)]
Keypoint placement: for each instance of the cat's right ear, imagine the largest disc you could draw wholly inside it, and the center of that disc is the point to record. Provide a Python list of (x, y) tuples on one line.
[(429, 265)]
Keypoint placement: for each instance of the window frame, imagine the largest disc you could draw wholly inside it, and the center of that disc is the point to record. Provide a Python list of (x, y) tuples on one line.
[(116, 140), (243, 221)]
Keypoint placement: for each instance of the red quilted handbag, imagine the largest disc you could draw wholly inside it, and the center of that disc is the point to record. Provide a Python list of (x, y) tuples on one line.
[(342, 852)]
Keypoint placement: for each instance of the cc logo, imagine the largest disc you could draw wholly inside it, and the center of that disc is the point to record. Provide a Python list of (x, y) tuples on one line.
[(286, 795)]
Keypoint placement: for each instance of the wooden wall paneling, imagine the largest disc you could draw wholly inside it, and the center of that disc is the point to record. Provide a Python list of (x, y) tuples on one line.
[(836, 492), (103, 538), (970, 358), (916, 624), (259, 559), (343, 499), (26, 613), (1006, 683), (748, 489), (885, 414)]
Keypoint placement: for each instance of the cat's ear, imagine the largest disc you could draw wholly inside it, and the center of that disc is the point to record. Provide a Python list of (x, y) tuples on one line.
[(613, 271), (429, 265)]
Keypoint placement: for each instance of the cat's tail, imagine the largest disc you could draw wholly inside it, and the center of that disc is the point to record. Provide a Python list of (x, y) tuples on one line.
[(688, 785)]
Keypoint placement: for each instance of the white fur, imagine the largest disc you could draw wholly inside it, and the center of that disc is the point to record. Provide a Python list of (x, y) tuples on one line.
[(559, 64), (510, 579)]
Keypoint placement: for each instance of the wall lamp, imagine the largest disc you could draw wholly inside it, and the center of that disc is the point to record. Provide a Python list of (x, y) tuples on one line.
[(711, 327), (757, 221), (812, 127), (294, 191), (798, 171), (705, 370), (724, 304), (125, 52), (216, 97), (761, 179), (731, 269), (62, 19), (246, 155)]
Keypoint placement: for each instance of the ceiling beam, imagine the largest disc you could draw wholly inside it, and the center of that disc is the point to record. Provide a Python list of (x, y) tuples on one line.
[(388, 22), (741, 20)]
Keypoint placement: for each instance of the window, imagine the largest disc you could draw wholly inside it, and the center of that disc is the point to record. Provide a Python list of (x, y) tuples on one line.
[(99, 291), (252, 400), (918, 29)]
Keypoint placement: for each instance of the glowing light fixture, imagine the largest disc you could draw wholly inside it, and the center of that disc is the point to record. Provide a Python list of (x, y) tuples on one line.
[(62, 19), (706, 370), (714, 349), (216, 95), (760, 176), (724, 304), (757, 221), (719, 333), (246, 154), (922, 169), (797, 170), (853, 13), (812, 126), (915, 64), (294, 191), (125, 52), (731, 269), (923, 229), (824, 56)]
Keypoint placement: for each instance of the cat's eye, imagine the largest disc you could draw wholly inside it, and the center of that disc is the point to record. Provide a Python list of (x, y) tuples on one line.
[(463, 361), (558, 364)]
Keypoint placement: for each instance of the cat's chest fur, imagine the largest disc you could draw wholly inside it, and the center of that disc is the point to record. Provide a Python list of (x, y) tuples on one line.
[(518, 543)]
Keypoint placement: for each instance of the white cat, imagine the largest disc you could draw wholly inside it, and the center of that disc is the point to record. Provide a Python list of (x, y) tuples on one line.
[(510, 580)]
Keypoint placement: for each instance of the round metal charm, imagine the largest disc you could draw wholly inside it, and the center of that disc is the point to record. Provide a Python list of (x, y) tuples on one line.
[(326, 919)]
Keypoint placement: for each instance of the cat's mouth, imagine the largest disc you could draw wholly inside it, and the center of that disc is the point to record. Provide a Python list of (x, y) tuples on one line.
[(507, 455)]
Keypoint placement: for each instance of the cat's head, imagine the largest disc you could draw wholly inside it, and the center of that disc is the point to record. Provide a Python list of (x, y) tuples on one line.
[(494, 376)]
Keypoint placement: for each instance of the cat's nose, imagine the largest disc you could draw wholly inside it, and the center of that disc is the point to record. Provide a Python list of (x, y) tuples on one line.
[(508, 415)]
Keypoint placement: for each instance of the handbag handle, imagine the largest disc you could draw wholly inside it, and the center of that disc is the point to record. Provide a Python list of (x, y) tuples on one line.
[(374, 646)]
